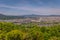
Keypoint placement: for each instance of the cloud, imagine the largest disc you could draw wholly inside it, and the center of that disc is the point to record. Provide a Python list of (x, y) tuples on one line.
[(39, 10)]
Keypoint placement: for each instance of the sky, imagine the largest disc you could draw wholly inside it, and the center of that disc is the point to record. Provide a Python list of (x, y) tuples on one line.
[(28, 7)]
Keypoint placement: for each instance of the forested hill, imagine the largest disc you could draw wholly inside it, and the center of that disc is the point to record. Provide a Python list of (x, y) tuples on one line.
[(4, 17)]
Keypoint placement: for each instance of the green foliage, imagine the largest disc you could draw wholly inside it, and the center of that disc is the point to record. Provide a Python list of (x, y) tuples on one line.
[(10, 31), (54, 38), (2, 36), (14, 35)]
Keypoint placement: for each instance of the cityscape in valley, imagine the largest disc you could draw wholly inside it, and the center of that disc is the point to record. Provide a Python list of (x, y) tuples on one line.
[(29, 19), (47, 19)]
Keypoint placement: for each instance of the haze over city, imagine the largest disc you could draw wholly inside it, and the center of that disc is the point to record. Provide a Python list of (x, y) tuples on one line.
[(27, 7)]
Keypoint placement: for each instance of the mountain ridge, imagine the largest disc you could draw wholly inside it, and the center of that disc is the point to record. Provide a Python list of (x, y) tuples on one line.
[(2, 16)]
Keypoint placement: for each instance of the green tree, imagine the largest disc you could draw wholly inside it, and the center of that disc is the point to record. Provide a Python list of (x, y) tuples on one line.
[(14, 35)]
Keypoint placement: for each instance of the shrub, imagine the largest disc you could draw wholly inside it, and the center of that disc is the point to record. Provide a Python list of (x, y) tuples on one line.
[(14, 35)]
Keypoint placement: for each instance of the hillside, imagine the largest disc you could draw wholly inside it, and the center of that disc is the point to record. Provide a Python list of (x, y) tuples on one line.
[(4, 17)]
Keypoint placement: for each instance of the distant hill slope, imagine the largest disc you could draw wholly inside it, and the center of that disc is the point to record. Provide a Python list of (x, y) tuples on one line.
[(9, 17), (25, 16)]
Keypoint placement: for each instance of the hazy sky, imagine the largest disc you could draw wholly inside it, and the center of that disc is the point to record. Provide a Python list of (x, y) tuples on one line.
[(23, 7)]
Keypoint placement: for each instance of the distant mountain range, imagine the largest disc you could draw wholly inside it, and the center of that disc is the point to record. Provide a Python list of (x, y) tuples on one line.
[(25, 16)]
